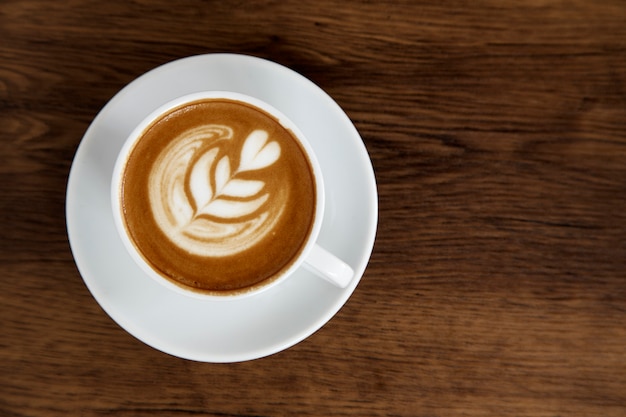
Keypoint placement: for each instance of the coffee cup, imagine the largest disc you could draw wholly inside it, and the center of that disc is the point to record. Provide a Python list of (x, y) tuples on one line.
[(219, 195)]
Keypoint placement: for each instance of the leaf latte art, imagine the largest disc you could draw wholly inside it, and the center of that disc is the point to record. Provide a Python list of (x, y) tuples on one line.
[(210, 202), (217, 195)]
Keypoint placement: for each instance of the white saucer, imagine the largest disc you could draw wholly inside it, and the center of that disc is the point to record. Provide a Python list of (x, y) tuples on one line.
[(222, 331)]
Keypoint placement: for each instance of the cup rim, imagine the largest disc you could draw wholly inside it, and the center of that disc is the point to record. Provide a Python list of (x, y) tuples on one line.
[(133, 251)]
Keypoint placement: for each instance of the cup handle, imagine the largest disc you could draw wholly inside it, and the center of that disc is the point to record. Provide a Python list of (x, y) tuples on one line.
[(328, 266)]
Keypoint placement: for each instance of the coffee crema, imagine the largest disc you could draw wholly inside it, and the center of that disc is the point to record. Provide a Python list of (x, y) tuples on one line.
[(217, 196)]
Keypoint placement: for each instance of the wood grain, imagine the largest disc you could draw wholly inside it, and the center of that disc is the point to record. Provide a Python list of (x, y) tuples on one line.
[(497, 130)]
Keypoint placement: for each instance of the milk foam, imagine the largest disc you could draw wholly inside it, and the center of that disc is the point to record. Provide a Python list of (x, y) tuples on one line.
[(202, 204)]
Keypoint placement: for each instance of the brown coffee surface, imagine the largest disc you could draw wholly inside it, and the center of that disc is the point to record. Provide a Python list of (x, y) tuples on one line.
[(218, 196)]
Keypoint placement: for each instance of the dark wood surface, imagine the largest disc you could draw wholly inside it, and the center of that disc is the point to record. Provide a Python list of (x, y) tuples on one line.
[(497, 285)]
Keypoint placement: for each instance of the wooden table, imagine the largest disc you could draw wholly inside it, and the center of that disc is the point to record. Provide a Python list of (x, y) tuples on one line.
[(497, 284)]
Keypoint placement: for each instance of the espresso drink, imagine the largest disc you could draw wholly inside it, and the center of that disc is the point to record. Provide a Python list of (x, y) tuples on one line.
[(218, 196)]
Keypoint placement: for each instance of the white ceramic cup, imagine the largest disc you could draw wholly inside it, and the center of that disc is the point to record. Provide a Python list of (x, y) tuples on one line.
[(313, 257)]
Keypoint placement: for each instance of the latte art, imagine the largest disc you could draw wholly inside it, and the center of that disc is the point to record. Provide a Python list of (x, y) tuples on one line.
[(218, 196), (206, 206)]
